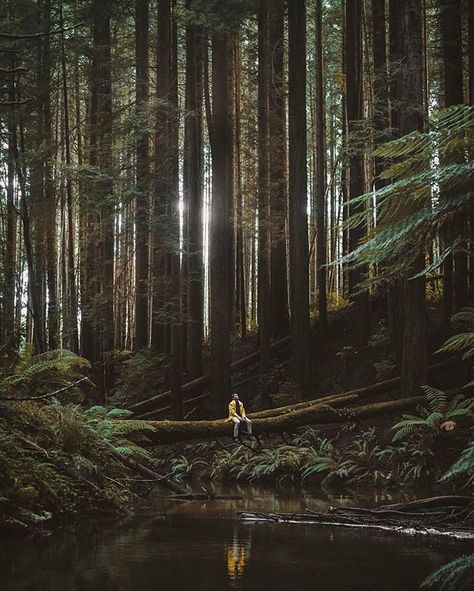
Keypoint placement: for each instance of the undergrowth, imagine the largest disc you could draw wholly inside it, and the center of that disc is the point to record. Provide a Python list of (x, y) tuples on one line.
[(61, 460), (416, 450)]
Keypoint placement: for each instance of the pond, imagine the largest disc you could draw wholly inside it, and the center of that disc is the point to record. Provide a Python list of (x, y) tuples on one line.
[(198, 546)]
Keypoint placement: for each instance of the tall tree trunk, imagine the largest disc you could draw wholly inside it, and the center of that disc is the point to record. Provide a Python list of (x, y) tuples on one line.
[(162, 181), (240, 281), (455, 266), (48, 189), (221, 224), (320, 172), (279, 325), (263, 198), (142, 205), (470, 48), (103, 187), (354, 108), (380, 83), (176, 332), (298, 217), (406, 40), (8, 321), (72, 330), (194, 164)]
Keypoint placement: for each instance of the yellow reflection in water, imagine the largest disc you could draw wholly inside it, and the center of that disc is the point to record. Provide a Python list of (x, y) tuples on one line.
[(238, 553)]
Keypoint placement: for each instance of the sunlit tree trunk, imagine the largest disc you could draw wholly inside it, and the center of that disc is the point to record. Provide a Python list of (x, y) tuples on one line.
[(194, 165), (72, 305)]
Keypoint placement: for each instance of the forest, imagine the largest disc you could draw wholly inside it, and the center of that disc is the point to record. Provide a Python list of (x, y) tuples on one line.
[(268, 198)]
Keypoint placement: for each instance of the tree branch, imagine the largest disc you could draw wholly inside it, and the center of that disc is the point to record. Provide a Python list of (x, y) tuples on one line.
[(28, 36), (48, 395)]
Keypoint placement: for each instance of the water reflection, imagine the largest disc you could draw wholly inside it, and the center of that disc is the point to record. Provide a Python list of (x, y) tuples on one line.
[(202, 547), (238, 553)]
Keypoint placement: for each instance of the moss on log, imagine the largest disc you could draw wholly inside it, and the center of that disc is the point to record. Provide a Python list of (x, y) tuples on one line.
[(174, 431)]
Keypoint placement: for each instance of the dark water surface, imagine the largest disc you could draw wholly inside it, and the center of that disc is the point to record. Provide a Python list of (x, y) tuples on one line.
[(194, 546)]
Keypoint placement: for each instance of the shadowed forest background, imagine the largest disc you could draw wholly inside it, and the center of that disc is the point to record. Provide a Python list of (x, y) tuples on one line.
[(178, 176), (263, 196)]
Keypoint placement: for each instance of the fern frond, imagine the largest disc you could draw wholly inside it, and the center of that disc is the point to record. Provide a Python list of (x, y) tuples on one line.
[(437, 399), (457, 575)]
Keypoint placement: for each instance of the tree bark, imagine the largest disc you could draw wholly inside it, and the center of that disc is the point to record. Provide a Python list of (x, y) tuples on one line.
[(298, 217), (470, 51), (161, 238), (320, 172), (263, 199), (455, 266), (354, 108), (175, 262), (142, 205), (194, 165), (406, 41), (103, 188), (221, 224), (279, 324), (72, 305)]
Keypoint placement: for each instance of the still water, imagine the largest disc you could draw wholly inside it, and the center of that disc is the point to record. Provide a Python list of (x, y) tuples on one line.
[(196, 546)]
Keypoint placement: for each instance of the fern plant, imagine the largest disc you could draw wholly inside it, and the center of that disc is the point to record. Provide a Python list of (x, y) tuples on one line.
[(439, 417), (409, 210), (77, 430), (463, 467), (463, 339), (457, 575), (39, 374)]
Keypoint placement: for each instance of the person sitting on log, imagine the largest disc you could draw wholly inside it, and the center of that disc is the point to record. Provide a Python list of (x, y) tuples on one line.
[(237, 416)]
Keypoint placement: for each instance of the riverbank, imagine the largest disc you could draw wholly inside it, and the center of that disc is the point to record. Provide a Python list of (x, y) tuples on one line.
[(61, 463)]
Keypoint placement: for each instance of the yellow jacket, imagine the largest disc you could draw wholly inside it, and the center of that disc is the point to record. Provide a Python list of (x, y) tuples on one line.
[(233, 411)]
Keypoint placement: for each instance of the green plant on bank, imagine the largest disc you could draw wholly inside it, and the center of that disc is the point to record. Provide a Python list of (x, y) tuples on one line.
[(439, 417), (463, 468), (76, 428), (463, 339), (61, 459), (183, 469), (457, 575), (312, 458)]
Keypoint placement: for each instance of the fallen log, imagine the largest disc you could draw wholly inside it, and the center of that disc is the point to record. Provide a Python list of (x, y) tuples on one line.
[(337, 399), (359, 393), (139, 408), (174, 431), (414, 518), (430, 503)]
